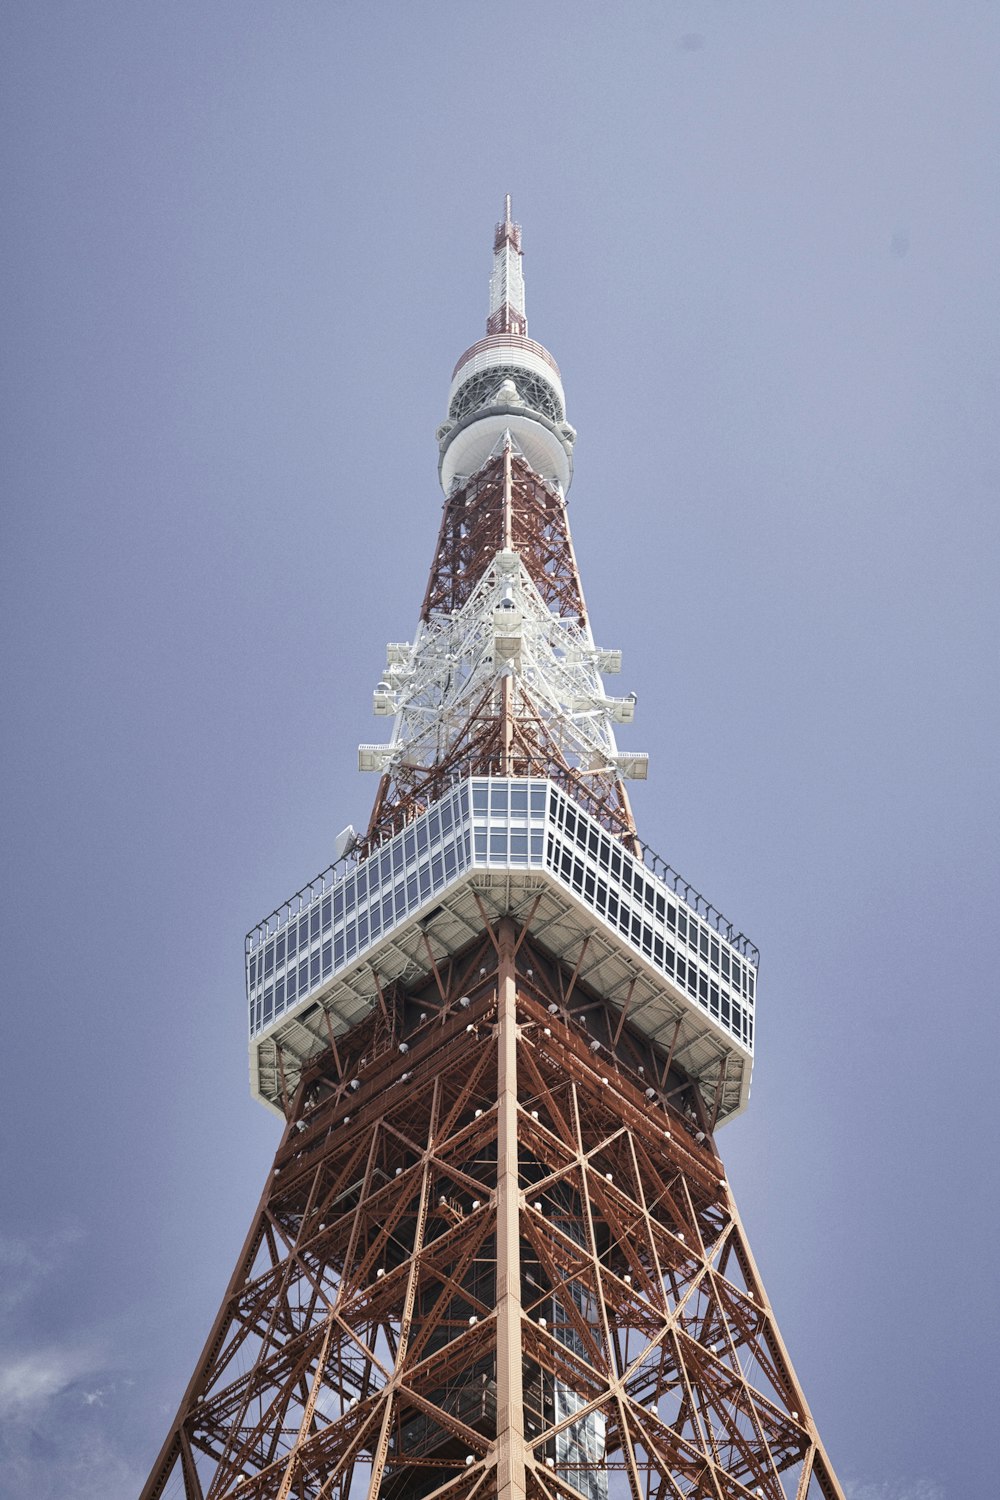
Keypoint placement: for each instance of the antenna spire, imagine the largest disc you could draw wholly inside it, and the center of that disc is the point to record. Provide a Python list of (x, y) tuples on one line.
[(507, 281)]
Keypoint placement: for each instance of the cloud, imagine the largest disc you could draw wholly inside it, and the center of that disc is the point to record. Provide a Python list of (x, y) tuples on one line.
[(29, 1381), (66, 1416), (64, 1426), (89, 1465), (894, 1489), (26, 1263)]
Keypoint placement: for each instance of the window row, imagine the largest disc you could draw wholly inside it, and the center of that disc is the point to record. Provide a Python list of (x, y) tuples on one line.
[(627, 871), (353, 937), (366, 886), (517, 798), (688, 975)]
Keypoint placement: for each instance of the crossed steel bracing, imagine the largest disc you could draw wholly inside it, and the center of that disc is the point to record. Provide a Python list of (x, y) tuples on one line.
[(502, 678), (484, 1265)]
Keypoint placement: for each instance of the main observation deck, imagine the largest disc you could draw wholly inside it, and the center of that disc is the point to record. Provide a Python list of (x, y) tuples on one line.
[(503, 844)]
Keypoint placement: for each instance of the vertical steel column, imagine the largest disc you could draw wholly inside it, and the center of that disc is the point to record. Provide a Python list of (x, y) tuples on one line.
[(506, 681), (510, 1394)]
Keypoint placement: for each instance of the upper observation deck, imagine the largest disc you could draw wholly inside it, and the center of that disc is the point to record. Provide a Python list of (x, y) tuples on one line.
[(504, 844)]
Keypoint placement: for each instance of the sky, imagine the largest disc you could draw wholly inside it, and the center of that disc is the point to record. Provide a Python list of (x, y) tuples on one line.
[(244, 246)]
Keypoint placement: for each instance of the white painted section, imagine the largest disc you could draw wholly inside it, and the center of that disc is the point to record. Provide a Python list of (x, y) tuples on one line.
[(507, 280), (471, 447), (520, 354)]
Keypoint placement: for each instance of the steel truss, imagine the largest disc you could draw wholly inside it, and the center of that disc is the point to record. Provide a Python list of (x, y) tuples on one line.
[(503, 676), (474, 1210)]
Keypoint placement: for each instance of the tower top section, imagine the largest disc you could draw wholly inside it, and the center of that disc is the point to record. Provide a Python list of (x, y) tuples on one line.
[(506, 383), (507, 313)]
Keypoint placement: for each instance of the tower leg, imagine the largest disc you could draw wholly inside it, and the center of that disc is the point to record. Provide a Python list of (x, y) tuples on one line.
[(510, 1399)]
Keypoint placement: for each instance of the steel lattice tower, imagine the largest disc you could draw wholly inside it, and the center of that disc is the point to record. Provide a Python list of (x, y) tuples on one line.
[(497, 1255)]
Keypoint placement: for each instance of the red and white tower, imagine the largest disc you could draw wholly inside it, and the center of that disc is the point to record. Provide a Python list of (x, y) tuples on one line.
[(496, 1254)]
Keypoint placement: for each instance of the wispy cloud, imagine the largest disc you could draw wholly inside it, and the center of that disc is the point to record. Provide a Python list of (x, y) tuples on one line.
[(894, 1489), (26, 1262), (89, 1466), (31, 1380), (64, 1408)]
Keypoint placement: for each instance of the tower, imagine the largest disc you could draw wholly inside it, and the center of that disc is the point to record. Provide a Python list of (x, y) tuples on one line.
[(496, 1255)]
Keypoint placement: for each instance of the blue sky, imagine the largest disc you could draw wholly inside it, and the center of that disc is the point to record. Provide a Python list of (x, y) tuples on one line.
[(244, 245)]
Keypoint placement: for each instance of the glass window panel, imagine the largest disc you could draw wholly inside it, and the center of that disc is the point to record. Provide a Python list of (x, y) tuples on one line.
[(326, 913), (327, 959), (268, 960), (279, 950), (279, 996), (498, 844), (479, 797), (519, 798), (498, 797), (303, 976), (314, 963)]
